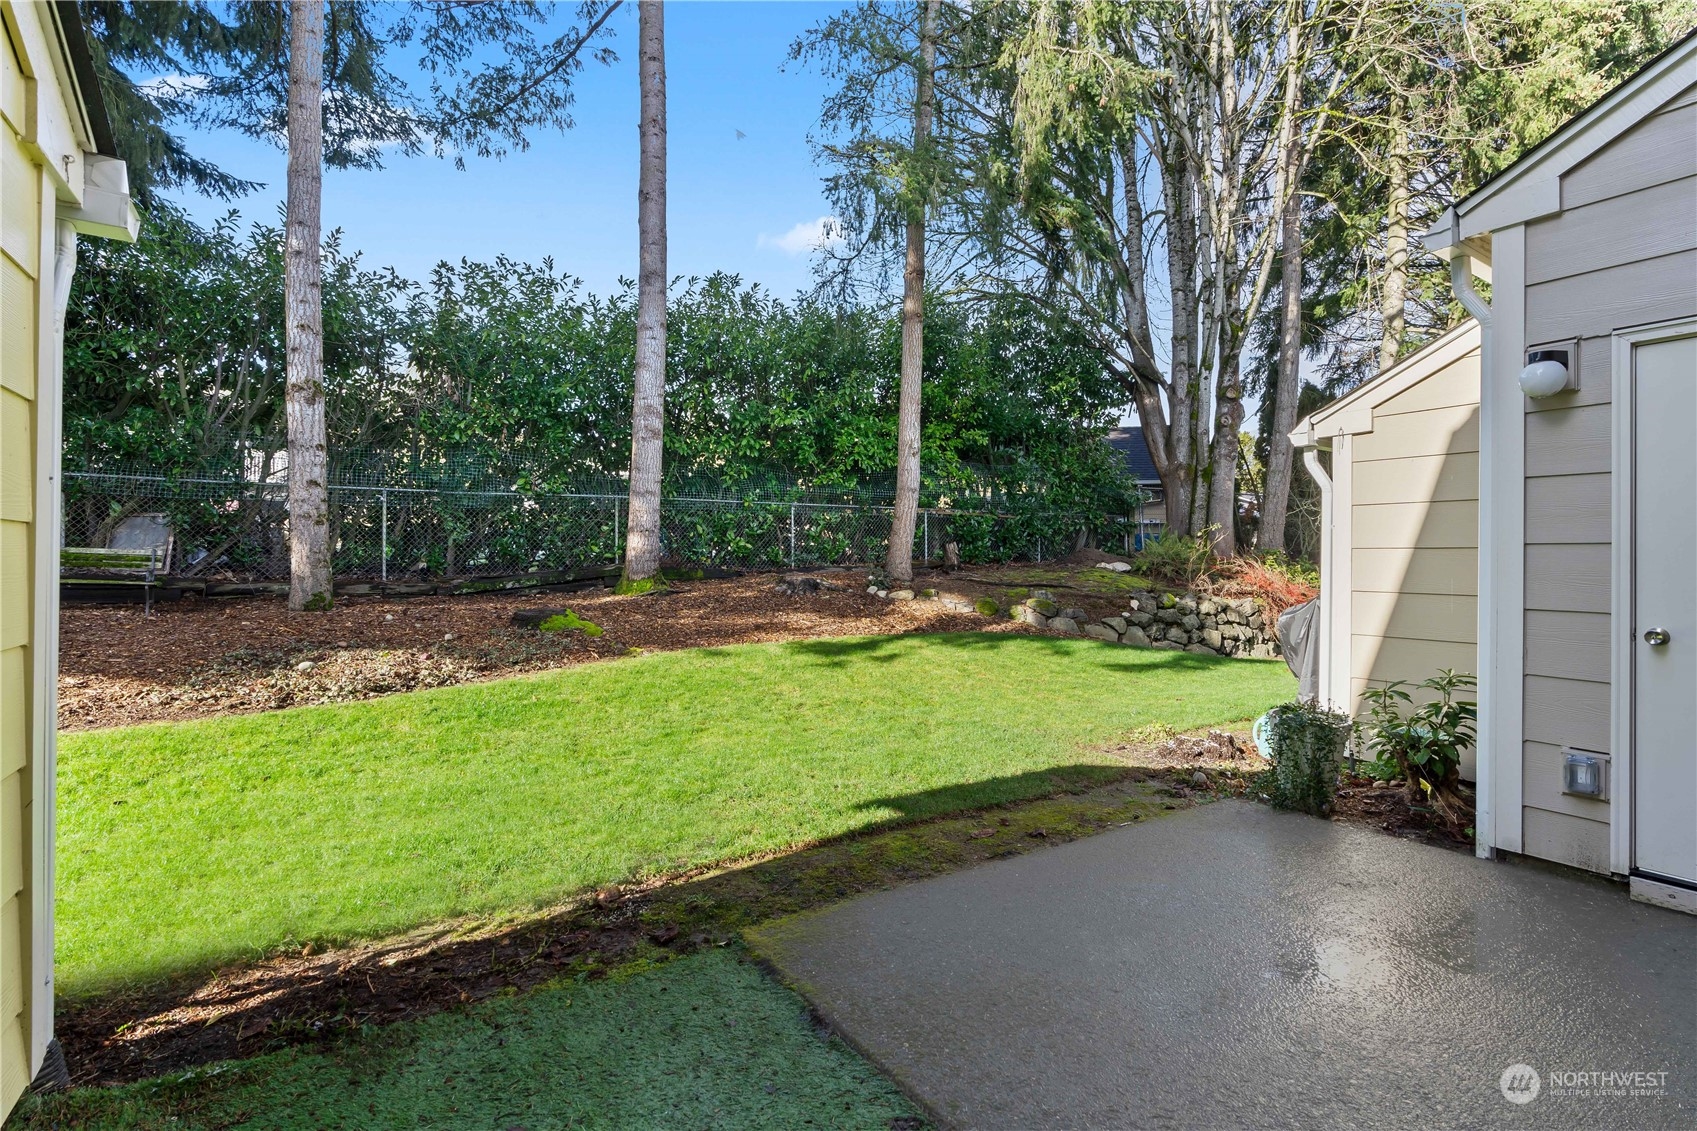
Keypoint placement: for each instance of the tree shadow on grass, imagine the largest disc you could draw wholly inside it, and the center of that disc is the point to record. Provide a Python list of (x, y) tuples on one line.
[(309, 998), (842, 651)]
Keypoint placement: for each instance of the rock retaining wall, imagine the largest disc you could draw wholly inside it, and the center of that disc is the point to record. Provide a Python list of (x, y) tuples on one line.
[(1185, 622)]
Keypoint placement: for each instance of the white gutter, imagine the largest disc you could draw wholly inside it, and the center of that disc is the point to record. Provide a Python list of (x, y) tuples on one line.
[(1311, 460), (1485, 808)]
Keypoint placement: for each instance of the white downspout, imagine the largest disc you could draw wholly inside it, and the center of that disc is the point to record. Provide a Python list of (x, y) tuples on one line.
[(48, 522), (1311, 460), (1485, 770)]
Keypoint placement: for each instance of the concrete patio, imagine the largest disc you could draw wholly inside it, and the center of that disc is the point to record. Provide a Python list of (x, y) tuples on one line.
[(1232, 966)]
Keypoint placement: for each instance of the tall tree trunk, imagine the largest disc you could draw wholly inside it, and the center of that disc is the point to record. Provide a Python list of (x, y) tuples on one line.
[(303, 304), (1393, 299), (898, 563), (648, 408), (1287, 388), (1222, 484)]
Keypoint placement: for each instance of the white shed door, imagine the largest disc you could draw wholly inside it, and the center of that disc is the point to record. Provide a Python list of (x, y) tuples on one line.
[(1664, 649)]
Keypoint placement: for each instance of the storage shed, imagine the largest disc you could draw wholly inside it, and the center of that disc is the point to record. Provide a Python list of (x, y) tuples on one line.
[(1399, 522), (1587, 495), (58, 177)]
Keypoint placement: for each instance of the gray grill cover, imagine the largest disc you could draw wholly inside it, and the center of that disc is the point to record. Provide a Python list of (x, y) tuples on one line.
[(1299, 636)]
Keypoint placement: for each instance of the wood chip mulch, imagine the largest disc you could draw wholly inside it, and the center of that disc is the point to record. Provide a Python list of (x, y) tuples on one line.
[(200, 657)]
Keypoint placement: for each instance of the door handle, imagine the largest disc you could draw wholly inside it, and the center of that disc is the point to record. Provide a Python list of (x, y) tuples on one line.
[(1656, 637)]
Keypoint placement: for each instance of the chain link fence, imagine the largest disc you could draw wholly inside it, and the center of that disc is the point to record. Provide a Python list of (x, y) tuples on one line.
[(238, 530)]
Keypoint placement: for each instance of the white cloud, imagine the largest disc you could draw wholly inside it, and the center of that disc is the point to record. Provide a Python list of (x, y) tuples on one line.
[(809, 235), (175, 86)]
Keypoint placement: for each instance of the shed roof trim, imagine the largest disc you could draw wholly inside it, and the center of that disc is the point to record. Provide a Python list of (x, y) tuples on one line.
[(1531, 187), (1353, 414)]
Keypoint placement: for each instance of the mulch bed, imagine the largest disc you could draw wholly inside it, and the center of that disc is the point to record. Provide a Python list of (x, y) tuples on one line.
[(200, 657), (1385, 806)]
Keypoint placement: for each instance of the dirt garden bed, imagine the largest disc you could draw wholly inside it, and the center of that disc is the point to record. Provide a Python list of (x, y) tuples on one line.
[(199, 657)]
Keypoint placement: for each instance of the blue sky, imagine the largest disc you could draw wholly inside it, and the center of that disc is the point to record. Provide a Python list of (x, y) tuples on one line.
[(735, 205)]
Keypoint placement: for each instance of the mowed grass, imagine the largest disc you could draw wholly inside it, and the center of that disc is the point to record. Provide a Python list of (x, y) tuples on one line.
[(186, 845)]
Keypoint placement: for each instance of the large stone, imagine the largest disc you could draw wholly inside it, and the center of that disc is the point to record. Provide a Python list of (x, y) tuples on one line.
[(901, 594), (1064, 624), (1255, 620), (1042, 605), (1262, 651), (1208, 607), (1117, 567), (1167, 645), (1030, 616), (1178, 635), (1135, 635), (1186, 603), (1101, 632), (1142, 620), (1078, 615), (1191, 622), (1200, 650), (1042, 595), (1115, 623), (1169, 616), (1212, 639)]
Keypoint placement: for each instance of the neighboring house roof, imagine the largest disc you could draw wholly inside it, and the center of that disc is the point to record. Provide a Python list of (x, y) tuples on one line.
[(1353, 413), (1531, 187), (1139, 464)]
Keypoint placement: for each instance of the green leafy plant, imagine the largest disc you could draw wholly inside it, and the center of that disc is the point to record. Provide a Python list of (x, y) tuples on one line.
[(1422, 744), (1307, 743), (1175, 560)]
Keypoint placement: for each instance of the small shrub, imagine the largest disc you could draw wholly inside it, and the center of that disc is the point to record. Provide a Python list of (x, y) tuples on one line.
[(568, 622), (1275, 581), (1175, 560), (1307, 743), (1423, 746)]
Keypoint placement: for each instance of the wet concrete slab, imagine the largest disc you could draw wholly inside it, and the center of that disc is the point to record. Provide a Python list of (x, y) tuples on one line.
[(1233, 966)]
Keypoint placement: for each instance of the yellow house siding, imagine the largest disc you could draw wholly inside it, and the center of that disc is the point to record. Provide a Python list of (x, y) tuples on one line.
[(20, 257), (1623, 252)]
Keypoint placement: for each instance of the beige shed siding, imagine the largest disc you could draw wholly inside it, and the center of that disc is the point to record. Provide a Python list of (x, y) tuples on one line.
[(1623, 252), (20, 244), (1414, 518)]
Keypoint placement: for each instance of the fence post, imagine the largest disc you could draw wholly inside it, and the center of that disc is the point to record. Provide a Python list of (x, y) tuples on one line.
[(1039, 547), (792, 535), (383, 516), (927, 536), (615, 531)]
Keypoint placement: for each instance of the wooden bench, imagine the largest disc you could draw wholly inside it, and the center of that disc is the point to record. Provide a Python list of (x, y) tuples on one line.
[(85, 565)]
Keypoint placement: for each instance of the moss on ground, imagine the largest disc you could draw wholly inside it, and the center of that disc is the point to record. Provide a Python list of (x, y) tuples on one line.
[(568, 622), (708, 1041)]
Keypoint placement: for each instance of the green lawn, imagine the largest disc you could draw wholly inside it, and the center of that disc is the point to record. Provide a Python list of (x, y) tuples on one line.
[(707, 1041), (185, 845)]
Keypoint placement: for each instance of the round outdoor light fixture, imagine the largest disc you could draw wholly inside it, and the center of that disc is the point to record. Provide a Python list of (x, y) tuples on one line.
[(1543, 378), (1549, 370)]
